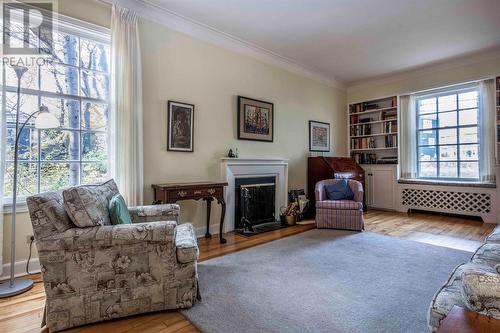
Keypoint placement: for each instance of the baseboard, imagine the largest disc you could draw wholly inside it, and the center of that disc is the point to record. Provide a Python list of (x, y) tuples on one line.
[(20, 268), (200, 231)]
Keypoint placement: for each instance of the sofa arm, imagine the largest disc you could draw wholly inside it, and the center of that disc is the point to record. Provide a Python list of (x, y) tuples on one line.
[(167, 212), (108, 235), (185, 243), (356, 188), (481, 292)]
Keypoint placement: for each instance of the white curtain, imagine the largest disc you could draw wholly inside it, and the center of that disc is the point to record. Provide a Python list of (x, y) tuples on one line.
[(126, 120), (407, 137), (487, 121), (3, 125)]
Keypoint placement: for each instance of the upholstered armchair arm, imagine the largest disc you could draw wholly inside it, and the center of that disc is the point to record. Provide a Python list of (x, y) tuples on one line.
[(319, 191), (166, 212), (357, 189), (109, 235)]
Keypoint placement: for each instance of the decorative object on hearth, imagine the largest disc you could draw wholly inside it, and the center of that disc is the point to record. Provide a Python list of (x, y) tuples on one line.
[(180, 126), (319, 136), (247, 226), (43, 120), (230, 153), (255, 120), (300, 198), (289, 214)]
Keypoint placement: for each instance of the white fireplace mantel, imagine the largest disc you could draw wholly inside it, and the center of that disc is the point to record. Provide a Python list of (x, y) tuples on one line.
[(232, 168)]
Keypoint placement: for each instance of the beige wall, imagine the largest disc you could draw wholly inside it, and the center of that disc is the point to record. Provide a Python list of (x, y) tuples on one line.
[(178, 67), (468, 69)]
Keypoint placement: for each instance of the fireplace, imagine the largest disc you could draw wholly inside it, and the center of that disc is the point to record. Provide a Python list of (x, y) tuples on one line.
[(261, 198)]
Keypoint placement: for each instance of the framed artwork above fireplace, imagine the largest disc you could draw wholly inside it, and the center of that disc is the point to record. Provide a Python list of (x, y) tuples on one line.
[(255, 120)]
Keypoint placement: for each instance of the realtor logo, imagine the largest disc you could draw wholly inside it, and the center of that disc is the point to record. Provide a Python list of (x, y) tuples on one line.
[(27, 27)]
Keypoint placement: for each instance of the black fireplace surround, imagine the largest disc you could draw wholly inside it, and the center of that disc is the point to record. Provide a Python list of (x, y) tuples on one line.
[(261, 201)]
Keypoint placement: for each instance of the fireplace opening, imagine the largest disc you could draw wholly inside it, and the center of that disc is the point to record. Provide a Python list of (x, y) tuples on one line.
[(261, 198)]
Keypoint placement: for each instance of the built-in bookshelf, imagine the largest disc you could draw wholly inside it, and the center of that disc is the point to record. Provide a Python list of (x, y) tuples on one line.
[(373, 131), (497, 103)]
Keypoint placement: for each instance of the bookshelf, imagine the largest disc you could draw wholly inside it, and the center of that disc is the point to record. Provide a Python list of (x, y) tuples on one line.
[(373, 130), (497, 104)]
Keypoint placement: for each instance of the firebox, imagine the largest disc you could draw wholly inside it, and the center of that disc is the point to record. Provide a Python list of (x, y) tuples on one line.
[(261, 198)]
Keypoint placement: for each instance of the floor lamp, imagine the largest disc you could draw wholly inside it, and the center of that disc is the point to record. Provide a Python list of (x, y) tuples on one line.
[(43, 120)]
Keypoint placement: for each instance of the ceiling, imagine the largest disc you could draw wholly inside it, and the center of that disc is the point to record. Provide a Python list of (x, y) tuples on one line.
[(353, 40)]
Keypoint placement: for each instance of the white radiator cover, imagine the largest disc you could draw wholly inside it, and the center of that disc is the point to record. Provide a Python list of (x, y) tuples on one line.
[(472, 201)]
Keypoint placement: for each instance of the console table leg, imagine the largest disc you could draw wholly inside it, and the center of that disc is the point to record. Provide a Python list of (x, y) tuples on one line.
[(209, 206), (221, 225)]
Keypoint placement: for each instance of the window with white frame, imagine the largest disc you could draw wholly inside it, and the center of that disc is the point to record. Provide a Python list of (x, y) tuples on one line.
[(75, 88), (448, 134)]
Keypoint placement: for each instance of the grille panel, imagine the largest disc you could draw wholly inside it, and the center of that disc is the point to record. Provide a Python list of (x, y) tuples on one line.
[(468, 202)]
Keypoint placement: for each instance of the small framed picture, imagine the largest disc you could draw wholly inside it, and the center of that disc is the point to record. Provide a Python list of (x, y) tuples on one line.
[(319, 136), (255, 120), (180, 126)]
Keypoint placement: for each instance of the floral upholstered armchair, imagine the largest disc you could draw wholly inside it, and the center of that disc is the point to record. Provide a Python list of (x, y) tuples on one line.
[(101, 272), (339, 214)]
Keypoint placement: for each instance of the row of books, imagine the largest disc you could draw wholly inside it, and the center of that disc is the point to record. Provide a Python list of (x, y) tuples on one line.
[(364, 158), (391, 141), (373, 105), (361, 130), (390, 127), (363, 143)]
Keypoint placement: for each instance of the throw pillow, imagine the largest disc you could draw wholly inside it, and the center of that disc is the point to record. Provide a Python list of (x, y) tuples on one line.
[(54, 210), (118, 211), (87, 205), (339, 190)]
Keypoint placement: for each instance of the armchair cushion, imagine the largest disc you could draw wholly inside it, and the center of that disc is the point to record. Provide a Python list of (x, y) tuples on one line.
[(168, 212), (339, 205), (54, 210), (118, 211), (339, 190), (87, 205), (185, 242)]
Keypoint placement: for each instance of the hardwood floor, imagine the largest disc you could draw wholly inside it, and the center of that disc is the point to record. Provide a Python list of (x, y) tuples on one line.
[(23, 313)]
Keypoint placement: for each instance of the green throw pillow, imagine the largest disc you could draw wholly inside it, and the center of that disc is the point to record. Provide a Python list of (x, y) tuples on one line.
[(118, 210)]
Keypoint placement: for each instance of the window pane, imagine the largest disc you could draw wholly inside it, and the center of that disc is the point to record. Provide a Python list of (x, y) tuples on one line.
[(54, 176), (448, 136), (468, 117), (427, 105), (26, 179), (427, 121), (427, 153), (28, 144), (94, 146), (29, 80), (60, 79), (95, 85), (428, 169), (468, 100), (469, 170), (448, 170), (447, 103), (468, 135), (66, 110), (95, 116), (60, 145), (65, 48), (448, 153), (427, 138), (447, 119), (28, 105), (469, 152), (95, 56), (94, 173)]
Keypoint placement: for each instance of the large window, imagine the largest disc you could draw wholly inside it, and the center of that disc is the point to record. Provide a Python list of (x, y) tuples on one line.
[(75, 87), (447, 134)]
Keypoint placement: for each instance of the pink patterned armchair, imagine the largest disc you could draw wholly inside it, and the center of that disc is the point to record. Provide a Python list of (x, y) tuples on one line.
[(339, 214)]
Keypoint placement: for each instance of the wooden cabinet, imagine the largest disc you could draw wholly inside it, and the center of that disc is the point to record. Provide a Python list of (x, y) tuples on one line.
[(380, 186)]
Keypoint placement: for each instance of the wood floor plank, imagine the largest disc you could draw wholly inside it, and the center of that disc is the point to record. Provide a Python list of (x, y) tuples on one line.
[(23, 313)]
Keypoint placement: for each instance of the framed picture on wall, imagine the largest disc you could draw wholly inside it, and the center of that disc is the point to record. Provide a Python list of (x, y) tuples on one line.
[(255, 120), (319, 136), (180, 126)]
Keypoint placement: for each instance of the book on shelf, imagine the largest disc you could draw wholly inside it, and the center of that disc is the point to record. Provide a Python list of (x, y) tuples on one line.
[(391, 141), (363, 143), (390, 127)]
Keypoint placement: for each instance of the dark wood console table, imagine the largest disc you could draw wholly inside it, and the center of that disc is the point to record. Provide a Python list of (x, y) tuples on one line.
[(173, 192)]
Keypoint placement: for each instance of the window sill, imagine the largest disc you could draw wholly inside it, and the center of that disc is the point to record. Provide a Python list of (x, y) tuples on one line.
[(21, 207), (446, 183)]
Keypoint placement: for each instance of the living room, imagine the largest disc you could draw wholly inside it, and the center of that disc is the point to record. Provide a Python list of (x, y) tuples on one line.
[(288, 166)]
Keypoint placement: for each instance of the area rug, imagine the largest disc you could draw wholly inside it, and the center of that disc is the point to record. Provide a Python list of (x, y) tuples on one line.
[(323, 281)]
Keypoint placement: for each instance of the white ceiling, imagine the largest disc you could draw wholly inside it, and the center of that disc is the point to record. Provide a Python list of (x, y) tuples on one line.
[(352, 40)]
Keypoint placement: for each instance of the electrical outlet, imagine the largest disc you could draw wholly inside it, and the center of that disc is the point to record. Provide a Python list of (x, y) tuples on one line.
[(29, 238)]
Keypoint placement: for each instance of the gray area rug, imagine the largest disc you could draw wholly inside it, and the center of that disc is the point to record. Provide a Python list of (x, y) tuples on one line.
[(323, 281)]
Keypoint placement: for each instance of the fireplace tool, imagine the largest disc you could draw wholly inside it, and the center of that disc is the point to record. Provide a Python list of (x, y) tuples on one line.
[(247, 227)]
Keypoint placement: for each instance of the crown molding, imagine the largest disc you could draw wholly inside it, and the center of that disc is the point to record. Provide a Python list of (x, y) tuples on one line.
[(161, 15), (485, 55)]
